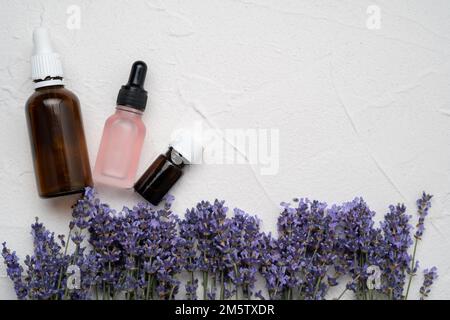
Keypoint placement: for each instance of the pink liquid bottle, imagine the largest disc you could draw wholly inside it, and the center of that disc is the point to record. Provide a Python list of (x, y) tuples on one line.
[(124, 133)]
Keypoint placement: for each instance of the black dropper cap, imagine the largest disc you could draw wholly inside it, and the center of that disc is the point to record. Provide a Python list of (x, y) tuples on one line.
[(133, 93)]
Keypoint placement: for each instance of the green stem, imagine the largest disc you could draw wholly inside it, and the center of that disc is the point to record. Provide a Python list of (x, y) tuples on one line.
[(191, 295), (222, 286), (319, 281), (342, 294), (275, 292), (346, 289), (205, 285), (413, 265), (137, 264), (237, 275), (147, 292), (61, 270), (247, 292)]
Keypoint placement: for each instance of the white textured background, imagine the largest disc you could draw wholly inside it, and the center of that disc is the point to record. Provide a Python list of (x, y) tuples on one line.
[(360, 112)]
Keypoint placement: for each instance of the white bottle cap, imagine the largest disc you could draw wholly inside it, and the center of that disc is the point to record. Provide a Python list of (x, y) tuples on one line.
[(189, 145), (45, 63)]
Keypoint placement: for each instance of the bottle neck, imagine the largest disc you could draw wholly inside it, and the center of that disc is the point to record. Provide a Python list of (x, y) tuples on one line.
[(49, 82), (129, 109), (176, 158), (49, 87)]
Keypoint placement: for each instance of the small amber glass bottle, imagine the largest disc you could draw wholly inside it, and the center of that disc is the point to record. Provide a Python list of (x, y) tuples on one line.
[(165, 171), (55, 127), (161, 176)]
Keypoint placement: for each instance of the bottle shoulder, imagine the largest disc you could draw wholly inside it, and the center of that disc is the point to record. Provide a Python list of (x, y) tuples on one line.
[(51, 95), (126, 118)]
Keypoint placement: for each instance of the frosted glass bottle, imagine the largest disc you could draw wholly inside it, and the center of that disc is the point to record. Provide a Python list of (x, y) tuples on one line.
[(123, 134)]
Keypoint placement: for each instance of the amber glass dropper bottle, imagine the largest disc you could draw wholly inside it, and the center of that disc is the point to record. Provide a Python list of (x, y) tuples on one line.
[(167, 169), (55, 126)]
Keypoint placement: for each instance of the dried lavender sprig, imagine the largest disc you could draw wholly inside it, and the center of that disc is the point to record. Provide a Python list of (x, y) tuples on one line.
[(240, 250), (396, 258), (206, 223), (423, 205), (358, 245), (429, 277), (14, 271)]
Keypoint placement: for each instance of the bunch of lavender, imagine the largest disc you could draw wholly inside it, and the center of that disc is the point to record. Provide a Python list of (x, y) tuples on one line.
[(240, 249), (319, 256), (202, 227), (359, 244), (274, 267), (46, 273), (398, 262), (387, 248), (155, 254), (225, 250), (99, 223), (297, 264), (397, 241), (139, 253), (423, 205), (136, 252), (188, 234)]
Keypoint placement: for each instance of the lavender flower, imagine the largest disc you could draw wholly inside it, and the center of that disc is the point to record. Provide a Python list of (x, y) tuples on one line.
[(423, 205), (101, 222), (306, 238), (45, 265), (151, 251), (205, 223), (429, 277), (191, 288), (240, 249), (139, 253), (397, 238), (14, 271), (359, 243), (273, 266)]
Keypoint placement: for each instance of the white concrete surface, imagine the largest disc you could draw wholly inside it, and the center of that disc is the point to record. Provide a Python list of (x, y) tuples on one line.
[(360, 111)]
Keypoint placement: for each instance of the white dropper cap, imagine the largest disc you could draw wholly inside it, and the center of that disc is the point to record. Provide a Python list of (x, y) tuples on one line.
[(45, 63), (189, 145)]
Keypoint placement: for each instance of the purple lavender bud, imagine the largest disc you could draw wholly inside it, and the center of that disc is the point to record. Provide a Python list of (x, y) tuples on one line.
[(430, 275), (423, 205), (14, 271)]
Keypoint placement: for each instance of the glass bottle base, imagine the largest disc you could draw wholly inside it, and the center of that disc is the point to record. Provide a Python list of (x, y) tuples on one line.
[(113, 182), (62, 193)]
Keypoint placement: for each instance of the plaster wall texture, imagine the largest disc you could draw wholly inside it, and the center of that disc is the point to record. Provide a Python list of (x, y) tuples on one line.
[(360, 111)]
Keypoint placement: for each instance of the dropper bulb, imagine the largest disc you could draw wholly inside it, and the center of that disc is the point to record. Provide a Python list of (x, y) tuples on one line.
[(137, 74), (133, 93), (42, 43)]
